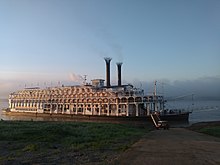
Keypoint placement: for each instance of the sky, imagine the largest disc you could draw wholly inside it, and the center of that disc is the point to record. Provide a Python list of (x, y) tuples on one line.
[(52, 42)]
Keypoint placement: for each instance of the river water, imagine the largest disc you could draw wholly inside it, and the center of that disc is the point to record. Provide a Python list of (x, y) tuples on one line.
[(202, 110)]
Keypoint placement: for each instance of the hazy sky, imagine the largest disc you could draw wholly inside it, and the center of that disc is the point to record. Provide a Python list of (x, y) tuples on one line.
[(47, 41)]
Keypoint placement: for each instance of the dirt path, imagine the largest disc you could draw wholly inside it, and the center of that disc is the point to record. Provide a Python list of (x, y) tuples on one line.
[(174, 146)]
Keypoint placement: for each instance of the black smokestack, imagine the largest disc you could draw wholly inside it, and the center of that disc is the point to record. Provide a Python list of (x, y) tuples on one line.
[(119, 64), (108, 60)]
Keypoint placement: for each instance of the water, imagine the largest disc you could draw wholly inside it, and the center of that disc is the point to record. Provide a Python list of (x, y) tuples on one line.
[(203, 110), (3, 104)]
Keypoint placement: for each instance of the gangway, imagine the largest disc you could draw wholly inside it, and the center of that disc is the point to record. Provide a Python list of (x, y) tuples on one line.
[(159, 123)]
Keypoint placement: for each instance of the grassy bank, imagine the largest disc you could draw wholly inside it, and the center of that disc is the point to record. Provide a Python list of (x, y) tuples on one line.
[(64, 142), (210, 128), (214, 131)]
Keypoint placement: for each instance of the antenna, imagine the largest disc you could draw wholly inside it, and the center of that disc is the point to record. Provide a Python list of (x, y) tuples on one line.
[(155, 88)]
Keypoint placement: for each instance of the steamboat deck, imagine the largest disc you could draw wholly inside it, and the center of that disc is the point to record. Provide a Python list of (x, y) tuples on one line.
[(93, 99)]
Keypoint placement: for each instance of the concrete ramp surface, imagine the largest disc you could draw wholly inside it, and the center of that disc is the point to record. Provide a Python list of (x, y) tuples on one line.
[(176, 146)]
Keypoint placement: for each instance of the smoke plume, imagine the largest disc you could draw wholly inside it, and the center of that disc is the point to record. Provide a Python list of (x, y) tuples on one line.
[(75, 78)]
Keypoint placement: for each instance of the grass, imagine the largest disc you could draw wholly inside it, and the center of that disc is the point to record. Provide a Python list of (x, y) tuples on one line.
[(210, 128), (48, 140), (214, 131)]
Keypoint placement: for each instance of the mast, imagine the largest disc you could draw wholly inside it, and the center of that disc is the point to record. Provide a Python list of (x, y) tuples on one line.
[(155, 96), (155, 88), (84, 80)]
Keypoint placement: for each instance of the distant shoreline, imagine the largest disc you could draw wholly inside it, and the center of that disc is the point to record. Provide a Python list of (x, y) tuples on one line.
[(3, 99)]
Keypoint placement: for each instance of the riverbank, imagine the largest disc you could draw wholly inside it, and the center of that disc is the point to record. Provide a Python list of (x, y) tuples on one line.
[(210, 128), (34, 142)]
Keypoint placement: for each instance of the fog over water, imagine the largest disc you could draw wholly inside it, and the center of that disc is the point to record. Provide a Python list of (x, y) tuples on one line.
[(202, 88)]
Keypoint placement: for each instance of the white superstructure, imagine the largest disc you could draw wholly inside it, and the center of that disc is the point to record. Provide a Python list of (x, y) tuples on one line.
[(94, 99)]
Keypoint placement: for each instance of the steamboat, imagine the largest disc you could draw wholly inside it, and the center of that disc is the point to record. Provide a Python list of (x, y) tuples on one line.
[(93, 100)]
